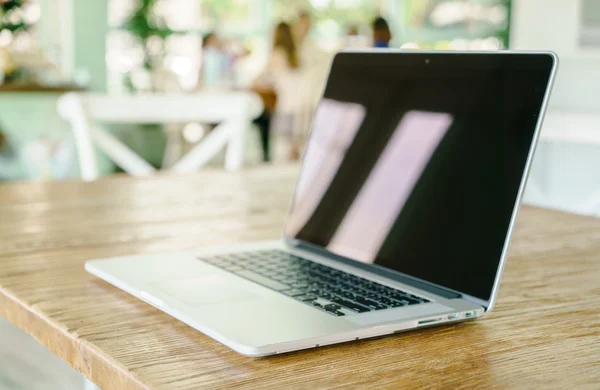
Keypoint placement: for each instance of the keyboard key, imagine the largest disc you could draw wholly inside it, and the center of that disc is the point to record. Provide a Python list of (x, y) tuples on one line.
[(350, 305), (306, 297), (370, 304), (293, 292), (385, 301), (275, 285), (398, 296), (409, 300), (328, 295), (332, 307)]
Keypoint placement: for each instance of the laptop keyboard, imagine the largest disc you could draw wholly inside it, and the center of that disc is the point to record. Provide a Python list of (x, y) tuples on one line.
[(322, 287)]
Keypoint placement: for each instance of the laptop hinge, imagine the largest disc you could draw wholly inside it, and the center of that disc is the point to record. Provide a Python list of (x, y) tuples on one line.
[(421, 285)]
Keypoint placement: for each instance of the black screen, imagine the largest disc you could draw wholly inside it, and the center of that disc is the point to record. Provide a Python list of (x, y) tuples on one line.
[(415, 161)]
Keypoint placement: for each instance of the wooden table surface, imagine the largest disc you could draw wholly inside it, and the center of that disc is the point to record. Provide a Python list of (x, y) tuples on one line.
[(544, 332)]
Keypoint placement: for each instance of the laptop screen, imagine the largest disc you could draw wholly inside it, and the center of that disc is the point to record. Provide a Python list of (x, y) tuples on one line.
[(415, 161)]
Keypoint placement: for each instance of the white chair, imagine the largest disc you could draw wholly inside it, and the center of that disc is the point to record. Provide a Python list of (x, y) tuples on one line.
[(233, 111)]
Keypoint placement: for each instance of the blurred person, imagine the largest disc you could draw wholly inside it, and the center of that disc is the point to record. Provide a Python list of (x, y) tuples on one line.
[(307, 49), (211, 41), (219, 60), (285, 50), (302, 27), (214, 61), (381, 33), (283, 74), (313, 58)]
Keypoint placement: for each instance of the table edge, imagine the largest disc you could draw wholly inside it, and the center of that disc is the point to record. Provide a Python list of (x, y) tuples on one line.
[(84, 356)]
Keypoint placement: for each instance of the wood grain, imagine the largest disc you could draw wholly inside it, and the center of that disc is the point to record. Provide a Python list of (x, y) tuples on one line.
[(544, 331)]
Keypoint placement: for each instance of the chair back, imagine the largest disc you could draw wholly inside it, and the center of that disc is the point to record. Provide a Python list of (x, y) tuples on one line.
[(233, 111)]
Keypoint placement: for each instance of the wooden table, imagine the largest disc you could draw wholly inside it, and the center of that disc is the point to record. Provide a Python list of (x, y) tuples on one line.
[(545, 331)]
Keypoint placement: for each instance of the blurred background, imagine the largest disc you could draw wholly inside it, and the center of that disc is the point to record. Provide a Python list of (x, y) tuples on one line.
[(90, 88), (155, 77)]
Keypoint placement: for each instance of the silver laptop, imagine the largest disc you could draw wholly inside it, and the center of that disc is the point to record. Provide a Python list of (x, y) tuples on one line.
[(402, 213)]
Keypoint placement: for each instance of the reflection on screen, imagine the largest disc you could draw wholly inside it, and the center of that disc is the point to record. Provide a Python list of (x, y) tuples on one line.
[(380, 200), (338, 123), (417, 169)]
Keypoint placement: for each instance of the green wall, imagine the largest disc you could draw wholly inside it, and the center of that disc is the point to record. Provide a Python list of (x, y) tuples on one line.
[(90, 25), (26, 117)]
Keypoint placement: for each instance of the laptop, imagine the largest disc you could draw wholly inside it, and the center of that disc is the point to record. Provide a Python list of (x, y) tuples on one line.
[(402, 214)]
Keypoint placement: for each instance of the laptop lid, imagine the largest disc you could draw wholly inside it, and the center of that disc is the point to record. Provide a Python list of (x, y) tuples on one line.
[(416, 163)]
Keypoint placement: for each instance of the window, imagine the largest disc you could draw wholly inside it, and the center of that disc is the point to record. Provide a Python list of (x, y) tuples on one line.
[(457, 24)]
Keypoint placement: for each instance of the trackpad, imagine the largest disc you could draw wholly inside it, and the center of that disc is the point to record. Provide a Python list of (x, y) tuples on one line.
[(204, 290)]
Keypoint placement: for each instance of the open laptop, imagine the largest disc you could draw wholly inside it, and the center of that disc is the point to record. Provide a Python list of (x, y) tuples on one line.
[(402, 214)]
